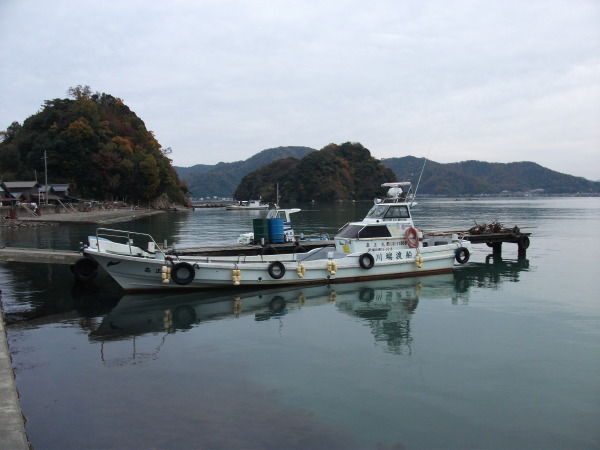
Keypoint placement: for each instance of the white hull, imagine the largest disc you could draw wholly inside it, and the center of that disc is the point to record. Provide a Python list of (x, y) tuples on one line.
[(144, 274), (384, 244)]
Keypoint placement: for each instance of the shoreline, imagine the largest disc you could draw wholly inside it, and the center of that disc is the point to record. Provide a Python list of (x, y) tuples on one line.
[(90, 217)]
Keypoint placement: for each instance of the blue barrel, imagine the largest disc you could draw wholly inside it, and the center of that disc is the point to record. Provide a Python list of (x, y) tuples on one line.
[(276, 234), (261, 229)]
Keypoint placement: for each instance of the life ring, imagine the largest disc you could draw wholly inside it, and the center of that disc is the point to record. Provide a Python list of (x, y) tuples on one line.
[(523, 242), (462, 255), (299, 249), (85, 269), (412, 237), (188, 273), (268, 250), (276, 270), (366, 261)]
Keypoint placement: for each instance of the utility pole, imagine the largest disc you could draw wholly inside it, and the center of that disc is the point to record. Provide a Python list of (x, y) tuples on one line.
[(46, 171)]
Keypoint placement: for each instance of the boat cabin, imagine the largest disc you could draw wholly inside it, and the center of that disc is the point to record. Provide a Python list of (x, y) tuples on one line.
[(384, 226)]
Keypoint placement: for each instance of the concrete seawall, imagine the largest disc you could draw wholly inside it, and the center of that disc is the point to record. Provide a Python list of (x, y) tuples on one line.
[(12, 426)]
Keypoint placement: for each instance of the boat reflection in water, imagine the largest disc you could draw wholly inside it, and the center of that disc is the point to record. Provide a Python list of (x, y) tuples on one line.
[(138, 314), (385, 305), (491, 274)]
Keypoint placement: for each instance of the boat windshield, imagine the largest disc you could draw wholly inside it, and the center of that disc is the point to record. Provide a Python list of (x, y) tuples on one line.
[(389, 212), (398, 212), (377, 211), (349, 232), (374, 231), (363, 232)]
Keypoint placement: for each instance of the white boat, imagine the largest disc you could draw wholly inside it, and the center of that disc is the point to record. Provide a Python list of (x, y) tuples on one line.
[(385, 244), (248, 205)]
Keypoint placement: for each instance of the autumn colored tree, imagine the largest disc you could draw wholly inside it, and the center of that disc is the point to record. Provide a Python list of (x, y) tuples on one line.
[(95, 143)]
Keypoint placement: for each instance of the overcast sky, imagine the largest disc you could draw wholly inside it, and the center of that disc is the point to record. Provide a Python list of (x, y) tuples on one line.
[(219, 80)]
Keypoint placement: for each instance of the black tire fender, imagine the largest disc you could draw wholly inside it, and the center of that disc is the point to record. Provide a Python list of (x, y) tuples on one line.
[(462, 255), (187, 273), (276, 270), (85, 269), (366, 261), (268, 250), (299, 249), (524, 241)]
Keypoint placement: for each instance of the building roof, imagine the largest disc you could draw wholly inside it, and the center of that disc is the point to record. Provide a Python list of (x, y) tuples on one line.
[(55, 187), (20, 184)]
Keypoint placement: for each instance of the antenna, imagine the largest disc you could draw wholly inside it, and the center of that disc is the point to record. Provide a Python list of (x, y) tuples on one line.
[(422, 170)]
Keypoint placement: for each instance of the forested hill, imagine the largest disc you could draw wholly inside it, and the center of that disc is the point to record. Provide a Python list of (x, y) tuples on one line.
[(478, 177), (336, 172), (97, 145), (222, 179)]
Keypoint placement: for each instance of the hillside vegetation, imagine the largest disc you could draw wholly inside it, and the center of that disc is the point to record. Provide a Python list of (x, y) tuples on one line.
[(222, 179), (478, 177), (336, 172), (96, 144)]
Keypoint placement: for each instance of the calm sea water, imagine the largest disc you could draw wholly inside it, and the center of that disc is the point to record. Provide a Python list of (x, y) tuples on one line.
[(504, 353)]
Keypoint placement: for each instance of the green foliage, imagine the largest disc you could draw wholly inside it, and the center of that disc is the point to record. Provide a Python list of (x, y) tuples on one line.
[(336, 172), (95, 143), (222, 179)]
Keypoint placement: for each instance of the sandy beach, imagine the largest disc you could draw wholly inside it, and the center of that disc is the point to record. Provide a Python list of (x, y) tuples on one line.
[(95, 216)]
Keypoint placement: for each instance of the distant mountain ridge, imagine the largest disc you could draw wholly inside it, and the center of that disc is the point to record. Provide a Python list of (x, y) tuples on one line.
[(334, 173), (478, 177), (222, 179), (459, 178)]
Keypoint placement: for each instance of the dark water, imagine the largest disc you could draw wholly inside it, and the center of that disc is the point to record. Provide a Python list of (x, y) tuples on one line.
[(504, 353)]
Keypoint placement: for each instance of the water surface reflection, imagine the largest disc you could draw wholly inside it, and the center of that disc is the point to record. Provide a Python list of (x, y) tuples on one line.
[(385, 305)]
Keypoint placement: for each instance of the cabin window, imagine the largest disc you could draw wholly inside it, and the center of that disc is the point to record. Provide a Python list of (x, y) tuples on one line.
[(374, 231), (377, 211), (397, 212), (349, 232)]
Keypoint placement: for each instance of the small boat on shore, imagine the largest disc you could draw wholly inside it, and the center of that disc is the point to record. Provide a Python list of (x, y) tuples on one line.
[(248, 205), (385, 244)]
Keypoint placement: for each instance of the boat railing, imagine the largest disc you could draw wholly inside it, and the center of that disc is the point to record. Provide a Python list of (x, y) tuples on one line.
[(127, 237)]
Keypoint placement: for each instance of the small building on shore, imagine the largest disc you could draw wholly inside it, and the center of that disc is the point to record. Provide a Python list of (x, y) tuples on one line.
[(33, 192), (22, 191)]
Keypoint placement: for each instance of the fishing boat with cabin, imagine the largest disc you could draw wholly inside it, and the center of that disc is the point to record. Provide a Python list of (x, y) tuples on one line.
[(384, 244)]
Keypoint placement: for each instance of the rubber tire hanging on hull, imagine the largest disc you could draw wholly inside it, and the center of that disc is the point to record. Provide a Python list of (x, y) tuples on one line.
[(366, 261), (276, 270), (85, 269), (462, 255), (268, 250), (189, 273)]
